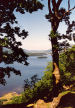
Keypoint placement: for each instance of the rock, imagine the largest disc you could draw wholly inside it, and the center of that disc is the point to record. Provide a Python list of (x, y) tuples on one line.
[(41, 104), (55, 102), (7, 97)]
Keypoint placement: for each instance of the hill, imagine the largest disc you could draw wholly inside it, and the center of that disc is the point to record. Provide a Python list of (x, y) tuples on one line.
[(37, 52)]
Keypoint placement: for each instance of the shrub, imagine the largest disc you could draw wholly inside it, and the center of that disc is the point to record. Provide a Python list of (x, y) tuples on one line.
[(16, 100), (40, 89), (67, 66)]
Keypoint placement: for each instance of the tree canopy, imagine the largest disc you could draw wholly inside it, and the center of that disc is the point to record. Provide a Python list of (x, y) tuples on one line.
[(9, 29)]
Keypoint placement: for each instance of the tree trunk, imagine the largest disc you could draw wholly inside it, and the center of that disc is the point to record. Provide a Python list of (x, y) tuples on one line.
[(56, 73), (55, 56)]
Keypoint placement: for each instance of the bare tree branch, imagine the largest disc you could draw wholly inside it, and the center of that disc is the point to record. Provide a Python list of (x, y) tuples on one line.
[(54, 3), (59, 2), (69, 11), (56, 6), (68, 4), (49, 7)]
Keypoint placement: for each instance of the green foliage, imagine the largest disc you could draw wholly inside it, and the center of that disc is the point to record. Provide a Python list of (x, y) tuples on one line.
[(67, 66), (3, 42), (43, 88), (30, 83), (9, 28), (16, 100), (40, 89), (52, 34), (35, 89), (27, 96)]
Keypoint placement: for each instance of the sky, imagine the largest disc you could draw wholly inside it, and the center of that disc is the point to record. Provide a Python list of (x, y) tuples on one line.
[(39, 28)]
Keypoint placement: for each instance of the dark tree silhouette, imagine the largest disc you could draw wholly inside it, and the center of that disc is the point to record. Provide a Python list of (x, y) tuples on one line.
[(9, 29), (56, 15)]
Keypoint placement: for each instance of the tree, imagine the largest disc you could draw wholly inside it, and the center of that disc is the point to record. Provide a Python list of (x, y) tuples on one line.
[(9, 29), (67, 67), (55, 16)]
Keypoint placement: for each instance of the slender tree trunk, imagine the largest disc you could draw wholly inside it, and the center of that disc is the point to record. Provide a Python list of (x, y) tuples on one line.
[(55, 53), (55, 56), (56, 73), (54, 42)]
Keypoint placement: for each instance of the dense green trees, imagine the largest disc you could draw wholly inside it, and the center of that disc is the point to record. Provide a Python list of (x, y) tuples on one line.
[(9, 29), (67, 67)]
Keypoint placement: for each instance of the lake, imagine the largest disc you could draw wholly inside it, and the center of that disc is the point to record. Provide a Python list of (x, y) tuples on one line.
[(15, 82)]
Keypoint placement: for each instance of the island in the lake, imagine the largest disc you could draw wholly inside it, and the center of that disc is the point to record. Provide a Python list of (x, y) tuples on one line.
[(41, 57)]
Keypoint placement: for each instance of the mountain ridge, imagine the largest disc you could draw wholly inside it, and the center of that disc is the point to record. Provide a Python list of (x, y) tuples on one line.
[(37, 52)]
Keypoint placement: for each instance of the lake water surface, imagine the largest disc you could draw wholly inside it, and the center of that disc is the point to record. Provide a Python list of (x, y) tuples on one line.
[(15, 82)]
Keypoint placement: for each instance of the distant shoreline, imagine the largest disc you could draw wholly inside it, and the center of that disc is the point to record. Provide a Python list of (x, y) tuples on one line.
[(41, 57)]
